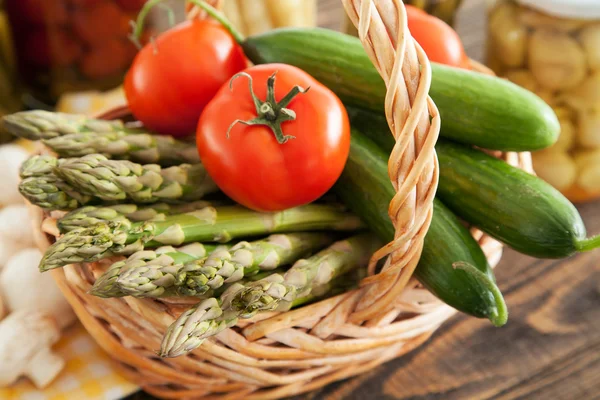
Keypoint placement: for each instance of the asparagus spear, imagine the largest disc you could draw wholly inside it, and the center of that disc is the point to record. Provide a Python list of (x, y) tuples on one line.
[(124, 213), (197, 277), (106, 285), (278, 291), (41, 187), (139, 147), (305, 280), (95, 175), (40, 124), (207, 225), (77, 135)]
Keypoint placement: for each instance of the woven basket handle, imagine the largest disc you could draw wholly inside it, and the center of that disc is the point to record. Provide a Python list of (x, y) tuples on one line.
[(415, 123)]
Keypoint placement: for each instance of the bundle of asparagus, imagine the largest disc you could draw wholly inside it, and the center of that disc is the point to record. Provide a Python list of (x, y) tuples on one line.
[(274, 292), (119, 207), (190, 271), (209, 224)]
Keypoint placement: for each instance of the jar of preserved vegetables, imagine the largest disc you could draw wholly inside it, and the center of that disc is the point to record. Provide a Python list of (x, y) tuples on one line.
[(71, 45), (552, 48)]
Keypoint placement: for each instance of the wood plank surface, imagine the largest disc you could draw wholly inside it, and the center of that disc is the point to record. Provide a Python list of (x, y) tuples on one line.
[(550, 348)]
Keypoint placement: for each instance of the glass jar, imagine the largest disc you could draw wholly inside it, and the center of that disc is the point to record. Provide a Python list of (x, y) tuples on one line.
[(443, 9), (254, 17), (72, 45), (552, 48)]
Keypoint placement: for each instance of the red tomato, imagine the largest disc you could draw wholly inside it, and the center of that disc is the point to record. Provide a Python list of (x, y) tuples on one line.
[(440, 42), (167, 89), (251, 166)]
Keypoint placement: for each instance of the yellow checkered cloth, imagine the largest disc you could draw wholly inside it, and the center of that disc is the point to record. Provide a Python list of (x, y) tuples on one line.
[(88, 374)]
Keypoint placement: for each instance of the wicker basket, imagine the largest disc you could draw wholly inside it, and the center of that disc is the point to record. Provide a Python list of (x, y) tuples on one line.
[(275, 355)]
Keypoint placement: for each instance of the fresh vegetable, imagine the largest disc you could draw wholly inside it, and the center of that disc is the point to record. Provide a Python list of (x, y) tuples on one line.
[(222, 266), (76, 136), (210, 224), (33, 333), (89, 216), (475, 109), (40, 124), (20, 275), (440, 42), (506, 202), (44, 189), (509, 204), (276, 291), (114, 180), (271, 155), (174, 77), (106, 285), (452, 265)]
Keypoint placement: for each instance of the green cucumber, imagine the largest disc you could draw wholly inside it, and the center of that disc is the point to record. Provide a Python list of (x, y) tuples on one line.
[(452, 265), (475, 109), (509, 204), (515, 207)]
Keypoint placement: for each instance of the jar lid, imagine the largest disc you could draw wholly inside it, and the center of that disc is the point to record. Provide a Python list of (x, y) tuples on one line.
[(578, 9)]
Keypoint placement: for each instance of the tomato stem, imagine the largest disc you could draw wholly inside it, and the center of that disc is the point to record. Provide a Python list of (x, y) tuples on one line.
[(138, 24), (269, 112), (221, 18)]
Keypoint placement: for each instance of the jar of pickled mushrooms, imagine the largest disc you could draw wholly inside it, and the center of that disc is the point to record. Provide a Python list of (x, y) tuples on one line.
[(552, 48)]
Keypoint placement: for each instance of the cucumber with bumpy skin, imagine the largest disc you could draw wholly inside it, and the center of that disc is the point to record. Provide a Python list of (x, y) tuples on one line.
[(475, 109), (452, 265)]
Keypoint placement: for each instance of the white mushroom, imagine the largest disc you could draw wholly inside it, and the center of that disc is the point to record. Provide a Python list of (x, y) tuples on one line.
[(15, 224), (11, 158), (508, 36), (588, 165), (555, 167), (9, 248), (523, 78), (24, 287), (590, 40), (556, 60), (26, 338), (589, 126)]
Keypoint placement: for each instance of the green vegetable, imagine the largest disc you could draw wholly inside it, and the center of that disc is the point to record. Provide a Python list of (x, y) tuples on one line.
[(117, 180), (106, 285), (88, 216), (475, 109), (452, 265), (210, 224), (77, 135), (303, 282), (141, 278), (43, 188), (509, 204)]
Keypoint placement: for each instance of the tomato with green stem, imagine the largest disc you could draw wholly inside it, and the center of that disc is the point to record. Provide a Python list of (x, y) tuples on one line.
[(274, 138), (173, 78)]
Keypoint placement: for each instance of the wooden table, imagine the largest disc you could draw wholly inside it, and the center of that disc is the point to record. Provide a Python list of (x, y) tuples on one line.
[(550, 348)]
